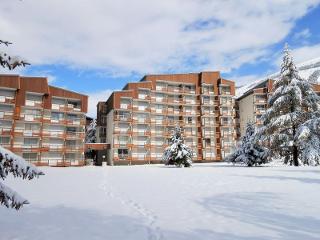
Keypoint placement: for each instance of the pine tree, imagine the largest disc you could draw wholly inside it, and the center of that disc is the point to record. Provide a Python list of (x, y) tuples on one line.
[(292, 103), (249, 153), (91, 132), (10, 62), (18, 167), (178, 153), (308, 139)]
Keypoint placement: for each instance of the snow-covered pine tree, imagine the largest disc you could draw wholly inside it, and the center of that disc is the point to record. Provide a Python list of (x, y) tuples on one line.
[(292, 103), (178, 153), (18, 167), (249, 153), (91, 132), (308, 139), (10, 62)]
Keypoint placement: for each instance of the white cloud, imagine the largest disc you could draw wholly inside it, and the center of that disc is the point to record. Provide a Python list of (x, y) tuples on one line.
[(306, 53), (300, 55), (96, 97), (304, 34), (148, 36)]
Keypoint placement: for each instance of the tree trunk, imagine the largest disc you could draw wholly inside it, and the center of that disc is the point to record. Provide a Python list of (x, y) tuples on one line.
[(295, 156)]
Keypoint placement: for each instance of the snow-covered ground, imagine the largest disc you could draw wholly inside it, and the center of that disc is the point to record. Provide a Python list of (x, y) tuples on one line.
[(207, 201)]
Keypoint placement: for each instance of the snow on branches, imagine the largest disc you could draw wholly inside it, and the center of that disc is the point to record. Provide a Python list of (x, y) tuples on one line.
[(178, 153), (18, 167), (249, 153), (10, 62), (91, 132), (292, 104)]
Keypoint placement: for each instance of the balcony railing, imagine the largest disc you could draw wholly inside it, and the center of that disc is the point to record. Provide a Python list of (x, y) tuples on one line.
[(7, 100), (75, 121), (26, 133), (26, 147), (122, 118), (31, 117), (6, 115), (32, 103), (53, 133), (5, 131), (66, 107)]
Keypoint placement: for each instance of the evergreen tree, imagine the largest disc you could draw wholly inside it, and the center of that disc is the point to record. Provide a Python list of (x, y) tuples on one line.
[(249, 152), (18, 167), (292, 103), (308, 139), (178, 153), (10, 62), (91, 132)]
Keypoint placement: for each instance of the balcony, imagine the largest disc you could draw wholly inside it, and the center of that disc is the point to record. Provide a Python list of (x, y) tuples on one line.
[(6, 115), (159, 110), (7, 100), (32, 103), (74, 148), (75, 121), (26, 133), (141, 132), (26, 147), (5, 131), (53, 133), (66, 107), (31, 117), (140, 109), (124, 118), (124, 106), (122, 144), (53, 146), (125, 131), (141, 120)]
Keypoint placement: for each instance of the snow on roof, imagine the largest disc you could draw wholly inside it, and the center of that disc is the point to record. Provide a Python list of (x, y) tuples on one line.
[(309, 70)]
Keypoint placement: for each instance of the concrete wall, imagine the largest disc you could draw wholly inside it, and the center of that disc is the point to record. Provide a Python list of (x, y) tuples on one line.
[(246, 108), (109, 137)]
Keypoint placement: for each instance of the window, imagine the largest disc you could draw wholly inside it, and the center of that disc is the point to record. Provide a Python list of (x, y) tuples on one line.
[(4, 140), (30, 141), (57, 116), (30, 156), (189, 119), (122, 151)]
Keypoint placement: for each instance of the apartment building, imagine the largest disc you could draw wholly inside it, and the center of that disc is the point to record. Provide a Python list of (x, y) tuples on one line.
[(140, 119), (253, 103), (43, 124)]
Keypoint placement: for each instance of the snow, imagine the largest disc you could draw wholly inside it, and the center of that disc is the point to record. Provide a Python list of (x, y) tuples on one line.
[(206, 201)]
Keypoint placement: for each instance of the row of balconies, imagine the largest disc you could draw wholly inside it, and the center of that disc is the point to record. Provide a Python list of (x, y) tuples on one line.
[(175, 89), (45, 147)]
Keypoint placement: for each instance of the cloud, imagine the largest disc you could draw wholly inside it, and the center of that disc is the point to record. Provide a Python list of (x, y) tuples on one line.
[(304, 34), (148, 36), (300, 54), (96, 97)]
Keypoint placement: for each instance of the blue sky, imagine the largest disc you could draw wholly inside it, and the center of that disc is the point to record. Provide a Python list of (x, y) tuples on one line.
[(97, 46)]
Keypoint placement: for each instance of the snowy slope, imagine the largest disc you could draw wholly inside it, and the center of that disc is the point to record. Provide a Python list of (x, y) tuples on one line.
[(309, 70), (207, 201)]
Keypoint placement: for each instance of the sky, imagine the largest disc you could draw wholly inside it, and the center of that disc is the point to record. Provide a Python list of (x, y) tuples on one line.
[(97, 46)]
